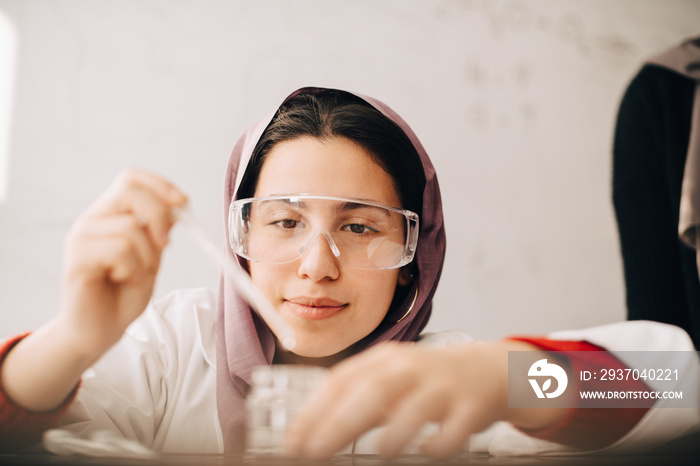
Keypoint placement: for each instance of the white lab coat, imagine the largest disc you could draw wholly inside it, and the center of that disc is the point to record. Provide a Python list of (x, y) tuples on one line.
[(158, 385)]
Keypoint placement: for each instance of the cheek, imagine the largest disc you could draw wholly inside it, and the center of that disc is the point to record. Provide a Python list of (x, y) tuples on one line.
[(267, 278), (377, 289)]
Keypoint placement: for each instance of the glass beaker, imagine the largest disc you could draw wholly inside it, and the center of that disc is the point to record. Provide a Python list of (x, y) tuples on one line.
[(277, 393)]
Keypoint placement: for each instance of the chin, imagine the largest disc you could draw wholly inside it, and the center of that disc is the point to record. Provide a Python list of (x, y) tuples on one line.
[(309, 351), (316, 356)]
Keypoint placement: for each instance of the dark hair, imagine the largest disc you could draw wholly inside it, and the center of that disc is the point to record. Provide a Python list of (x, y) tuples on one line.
[(325, 114)]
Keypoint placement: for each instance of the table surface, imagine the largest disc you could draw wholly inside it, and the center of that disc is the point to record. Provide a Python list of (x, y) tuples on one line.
[(356, 460), (683, 451)]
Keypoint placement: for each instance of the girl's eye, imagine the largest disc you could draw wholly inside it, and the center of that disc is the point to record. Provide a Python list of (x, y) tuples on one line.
[(286, 223), (359, 229)]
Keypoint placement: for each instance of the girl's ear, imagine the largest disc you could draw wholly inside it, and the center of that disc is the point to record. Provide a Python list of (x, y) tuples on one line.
[(405, 277)]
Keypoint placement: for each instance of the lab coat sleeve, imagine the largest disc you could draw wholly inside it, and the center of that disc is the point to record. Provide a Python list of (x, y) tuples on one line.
[(590, 428), (143, 388), (659, 425)]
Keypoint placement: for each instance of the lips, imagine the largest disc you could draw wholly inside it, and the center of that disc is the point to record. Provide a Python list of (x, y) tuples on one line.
[(314, 308)]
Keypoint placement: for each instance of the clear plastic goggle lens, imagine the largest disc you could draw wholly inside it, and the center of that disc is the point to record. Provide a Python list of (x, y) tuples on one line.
[(362, 234)]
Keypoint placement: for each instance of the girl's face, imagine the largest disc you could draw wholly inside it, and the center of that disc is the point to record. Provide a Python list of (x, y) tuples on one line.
[(330, 306)]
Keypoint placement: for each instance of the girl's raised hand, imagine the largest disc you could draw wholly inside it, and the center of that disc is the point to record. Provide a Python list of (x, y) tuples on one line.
[(403, 386), (112, 255), (111, 258)]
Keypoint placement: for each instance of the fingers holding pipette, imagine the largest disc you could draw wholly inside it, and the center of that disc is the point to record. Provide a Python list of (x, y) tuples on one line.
[(146, 196), (116, 246), (127, 227)]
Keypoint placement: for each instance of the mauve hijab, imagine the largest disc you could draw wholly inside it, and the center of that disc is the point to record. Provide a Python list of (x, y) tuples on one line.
[(685, 59), (244, 341)]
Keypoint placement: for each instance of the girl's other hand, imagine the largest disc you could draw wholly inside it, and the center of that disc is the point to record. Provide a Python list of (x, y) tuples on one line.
[(403, 386)]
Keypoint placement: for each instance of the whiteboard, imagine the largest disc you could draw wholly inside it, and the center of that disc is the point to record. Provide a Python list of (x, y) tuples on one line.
[(515, 101)]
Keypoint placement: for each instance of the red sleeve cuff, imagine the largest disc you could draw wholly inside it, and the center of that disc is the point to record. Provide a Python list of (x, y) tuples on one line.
[(588, 428), (19, 427)]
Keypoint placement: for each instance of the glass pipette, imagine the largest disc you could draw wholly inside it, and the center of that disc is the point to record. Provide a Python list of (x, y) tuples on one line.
[(240, 279)]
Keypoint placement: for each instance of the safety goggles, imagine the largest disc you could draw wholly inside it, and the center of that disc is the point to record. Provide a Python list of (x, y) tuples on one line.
[(361, 234)]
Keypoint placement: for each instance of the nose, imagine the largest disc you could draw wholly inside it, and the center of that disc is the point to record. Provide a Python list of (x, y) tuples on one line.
[(319, 258)]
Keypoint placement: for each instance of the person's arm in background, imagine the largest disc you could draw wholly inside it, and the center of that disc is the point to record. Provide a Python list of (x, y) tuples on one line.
[(651, 140), (110, 264)]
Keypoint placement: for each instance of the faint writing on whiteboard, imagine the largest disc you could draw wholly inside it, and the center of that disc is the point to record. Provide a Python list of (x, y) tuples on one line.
[(518, 17), (514, 51), (481, 117), (520, 112)]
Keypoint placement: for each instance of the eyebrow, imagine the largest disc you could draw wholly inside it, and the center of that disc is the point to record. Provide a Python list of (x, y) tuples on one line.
[(344, 206), (347, 206)]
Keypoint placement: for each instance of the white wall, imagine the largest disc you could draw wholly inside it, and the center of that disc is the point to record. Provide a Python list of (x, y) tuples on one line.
[(514, 100)]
